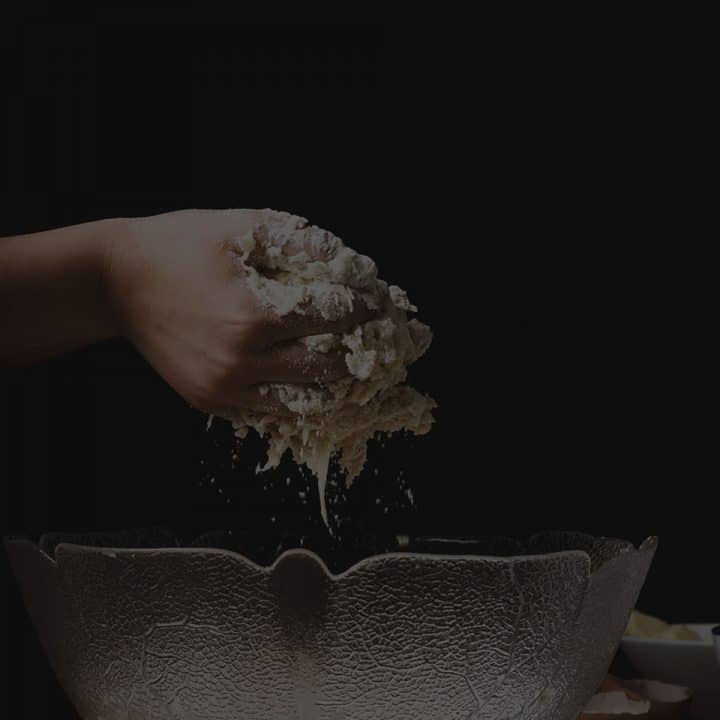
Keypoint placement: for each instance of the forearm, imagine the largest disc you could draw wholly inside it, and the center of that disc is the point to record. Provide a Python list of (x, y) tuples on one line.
[(52, 292)]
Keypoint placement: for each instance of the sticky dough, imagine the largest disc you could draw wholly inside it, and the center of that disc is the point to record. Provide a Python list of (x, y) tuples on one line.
[(340, 417)]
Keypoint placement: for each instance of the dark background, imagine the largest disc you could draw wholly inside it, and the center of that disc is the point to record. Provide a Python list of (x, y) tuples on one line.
[(519, 192)]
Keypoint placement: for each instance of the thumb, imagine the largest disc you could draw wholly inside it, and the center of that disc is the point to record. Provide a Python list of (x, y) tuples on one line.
[(286, 242)]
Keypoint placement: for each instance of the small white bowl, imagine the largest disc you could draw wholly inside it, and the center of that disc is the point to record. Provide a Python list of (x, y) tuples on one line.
[(681, 662), (716, 635)]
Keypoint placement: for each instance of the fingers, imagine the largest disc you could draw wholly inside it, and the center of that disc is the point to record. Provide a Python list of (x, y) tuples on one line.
[(294, 362), (260, 399), (256, 398), (277, 400), (316, 321)]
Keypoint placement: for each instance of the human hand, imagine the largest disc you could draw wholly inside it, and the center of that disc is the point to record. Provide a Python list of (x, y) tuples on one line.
[(175, 295)]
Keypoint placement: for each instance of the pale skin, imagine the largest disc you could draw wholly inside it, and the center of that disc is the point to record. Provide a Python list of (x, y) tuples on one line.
[(166, 283)]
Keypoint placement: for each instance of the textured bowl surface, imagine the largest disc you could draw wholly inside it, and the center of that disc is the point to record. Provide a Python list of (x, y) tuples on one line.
[(197, 633)]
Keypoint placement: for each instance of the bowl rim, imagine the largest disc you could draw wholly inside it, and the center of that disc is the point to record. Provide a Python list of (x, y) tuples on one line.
[(649, 544), (312, 555)]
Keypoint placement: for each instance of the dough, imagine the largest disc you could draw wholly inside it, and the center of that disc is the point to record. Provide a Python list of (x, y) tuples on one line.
[(338, 418)]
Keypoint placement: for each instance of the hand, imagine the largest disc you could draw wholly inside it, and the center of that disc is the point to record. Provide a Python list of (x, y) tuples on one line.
[(176, 296)]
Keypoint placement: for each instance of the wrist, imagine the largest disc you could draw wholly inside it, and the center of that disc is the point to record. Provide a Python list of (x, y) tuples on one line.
[(54, 293), (115, 235)]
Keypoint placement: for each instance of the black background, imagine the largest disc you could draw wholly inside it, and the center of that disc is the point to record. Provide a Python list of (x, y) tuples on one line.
[(518, 192)]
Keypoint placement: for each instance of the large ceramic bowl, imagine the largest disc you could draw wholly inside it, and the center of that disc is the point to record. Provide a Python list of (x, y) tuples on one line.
[(432, 632)]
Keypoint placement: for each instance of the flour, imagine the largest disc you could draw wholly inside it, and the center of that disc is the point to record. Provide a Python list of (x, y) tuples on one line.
[(293, 267)]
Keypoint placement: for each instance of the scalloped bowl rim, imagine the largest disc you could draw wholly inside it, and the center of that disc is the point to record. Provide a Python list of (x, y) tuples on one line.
[(648, 544)]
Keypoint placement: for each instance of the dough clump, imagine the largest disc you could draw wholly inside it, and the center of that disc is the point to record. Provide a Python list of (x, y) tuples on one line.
[(295, 267)]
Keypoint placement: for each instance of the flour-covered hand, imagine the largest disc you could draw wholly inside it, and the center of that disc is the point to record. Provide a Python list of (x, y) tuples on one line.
[(178, 297)]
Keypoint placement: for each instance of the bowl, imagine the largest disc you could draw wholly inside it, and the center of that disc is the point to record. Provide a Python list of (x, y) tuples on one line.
[(681, 662), (140, 628)]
